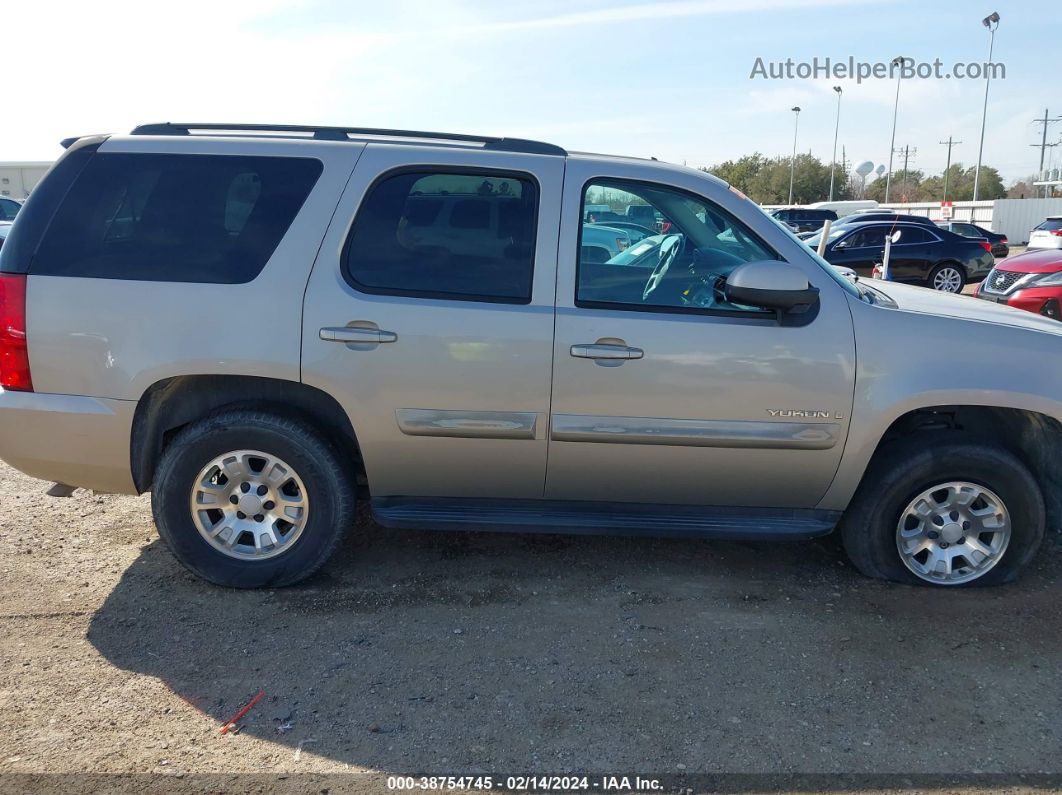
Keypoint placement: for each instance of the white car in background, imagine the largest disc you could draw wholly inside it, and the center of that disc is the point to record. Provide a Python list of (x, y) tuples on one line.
[(601, 243), (1048, 234)]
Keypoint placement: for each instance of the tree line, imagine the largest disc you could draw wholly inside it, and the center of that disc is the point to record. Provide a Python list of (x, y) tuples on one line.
[(766, 180)]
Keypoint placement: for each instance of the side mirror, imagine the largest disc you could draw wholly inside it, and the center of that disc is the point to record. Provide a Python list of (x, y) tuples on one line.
[(771, 284), (841, 244), (895, 236)]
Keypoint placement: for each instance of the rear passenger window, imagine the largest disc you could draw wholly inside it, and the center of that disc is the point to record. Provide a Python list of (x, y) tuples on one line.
[(912, 234), (175, 218), (446, 235)]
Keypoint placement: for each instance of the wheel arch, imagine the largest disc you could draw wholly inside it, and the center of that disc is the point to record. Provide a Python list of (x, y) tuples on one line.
[(172, 403), (1034, 437), (950, 261)]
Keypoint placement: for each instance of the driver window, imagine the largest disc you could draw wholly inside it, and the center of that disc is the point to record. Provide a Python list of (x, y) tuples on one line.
[(658, 247)]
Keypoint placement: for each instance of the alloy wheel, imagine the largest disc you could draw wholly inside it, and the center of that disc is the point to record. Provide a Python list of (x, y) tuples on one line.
[(947, 280), (953, 533), (249, 505)]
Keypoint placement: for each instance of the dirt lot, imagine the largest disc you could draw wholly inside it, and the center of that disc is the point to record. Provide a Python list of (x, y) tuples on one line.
[(466, 653)]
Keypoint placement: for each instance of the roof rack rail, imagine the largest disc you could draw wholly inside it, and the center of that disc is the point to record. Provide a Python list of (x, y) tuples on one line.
[(344, 133)]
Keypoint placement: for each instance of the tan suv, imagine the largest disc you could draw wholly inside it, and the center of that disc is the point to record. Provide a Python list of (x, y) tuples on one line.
[(263, 325)]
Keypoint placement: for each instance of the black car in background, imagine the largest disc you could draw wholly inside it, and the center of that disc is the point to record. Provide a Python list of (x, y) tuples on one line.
[(1000, 244), (864, 216), (922, 254), (874, 215), (804, 219), (9, 208)]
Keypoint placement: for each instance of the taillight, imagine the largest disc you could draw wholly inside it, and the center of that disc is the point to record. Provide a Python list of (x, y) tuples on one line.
[(985, 245), (1004, 241), (14, 358), (1056, 232)]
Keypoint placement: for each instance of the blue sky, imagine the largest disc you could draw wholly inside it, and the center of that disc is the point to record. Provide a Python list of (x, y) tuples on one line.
[(667, 78)]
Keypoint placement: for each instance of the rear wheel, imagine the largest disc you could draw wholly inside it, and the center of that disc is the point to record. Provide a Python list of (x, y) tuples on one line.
[(249, 499), (935, 510), (948, 277)]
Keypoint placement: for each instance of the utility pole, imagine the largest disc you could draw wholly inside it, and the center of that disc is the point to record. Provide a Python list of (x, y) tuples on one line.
[(836, 129), (948, 143), (991, 22), (899, 61), (1043, 143), (792, 162), (844, 165), (908, 152)]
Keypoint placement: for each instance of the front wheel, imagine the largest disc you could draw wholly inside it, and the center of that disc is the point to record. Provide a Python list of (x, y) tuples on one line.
[(947, 278), (249, 499), (944, 512)]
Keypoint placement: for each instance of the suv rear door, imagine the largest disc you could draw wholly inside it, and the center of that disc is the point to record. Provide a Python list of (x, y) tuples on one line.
[(440, 351), (681, 399)]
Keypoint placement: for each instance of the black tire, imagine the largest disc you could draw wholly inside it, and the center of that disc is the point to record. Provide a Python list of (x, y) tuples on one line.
[(908, 467), (954, 265), (326, 474)]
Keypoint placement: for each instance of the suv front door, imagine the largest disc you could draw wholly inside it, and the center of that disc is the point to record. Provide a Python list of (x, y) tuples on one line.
[(437, 342), (696, 401)]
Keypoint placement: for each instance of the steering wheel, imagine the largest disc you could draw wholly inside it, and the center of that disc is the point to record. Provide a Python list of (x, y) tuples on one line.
[(669, 250)]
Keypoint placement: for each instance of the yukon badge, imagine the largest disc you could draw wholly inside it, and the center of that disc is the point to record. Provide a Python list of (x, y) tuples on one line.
[(805, 413)]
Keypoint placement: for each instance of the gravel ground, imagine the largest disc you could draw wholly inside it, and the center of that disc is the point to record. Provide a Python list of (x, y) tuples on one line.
[(477, 653)]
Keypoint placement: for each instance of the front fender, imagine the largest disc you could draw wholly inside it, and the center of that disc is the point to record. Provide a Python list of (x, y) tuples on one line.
[(908, 360)]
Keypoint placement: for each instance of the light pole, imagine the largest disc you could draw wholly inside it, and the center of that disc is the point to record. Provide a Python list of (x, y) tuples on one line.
[(899, 61), (991, 22), (792, 162), (836, 129)]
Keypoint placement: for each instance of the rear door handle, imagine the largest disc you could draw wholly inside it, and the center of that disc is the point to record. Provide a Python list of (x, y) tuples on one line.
[(355, 334), (606, 352)]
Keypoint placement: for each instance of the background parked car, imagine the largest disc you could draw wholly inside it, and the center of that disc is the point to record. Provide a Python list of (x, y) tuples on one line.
[(922, 254), (643, 214), (644, 254), (1048, 234), (635, 231), (1000, 244), (1031, 281), (864, 217), (9, 208), (601, 243), (804, 219)]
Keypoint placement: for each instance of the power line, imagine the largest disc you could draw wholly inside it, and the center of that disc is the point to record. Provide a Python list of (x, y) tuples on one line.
[(949, 143), (908, 153), (1043, 142)]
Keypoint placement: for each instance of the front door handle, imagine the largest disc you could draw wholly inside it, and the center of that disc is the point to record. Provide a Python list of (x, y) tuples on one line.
[(596, 351), (356, 334)]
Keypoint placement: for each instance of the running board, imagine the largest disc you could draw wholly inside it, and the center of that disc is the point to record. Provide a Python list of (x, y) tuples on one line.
[(601, 518)]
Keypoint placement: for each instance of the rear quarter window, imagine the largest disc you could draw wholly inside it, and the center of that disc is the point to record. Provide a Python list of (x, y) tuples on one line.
[(175, 218)]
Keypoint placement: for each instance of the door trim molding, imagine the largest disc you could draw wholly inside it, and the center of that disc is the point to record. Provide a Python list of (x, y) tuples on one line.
[(694, 433), (468, 424)]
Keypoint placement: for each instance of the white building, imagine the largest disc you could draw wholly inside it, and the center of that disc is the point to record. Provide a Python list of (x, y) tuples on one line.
[(18, 179), (1014, 218)]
